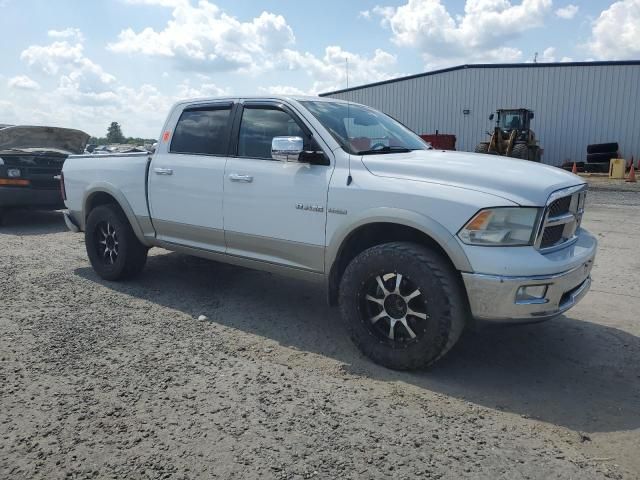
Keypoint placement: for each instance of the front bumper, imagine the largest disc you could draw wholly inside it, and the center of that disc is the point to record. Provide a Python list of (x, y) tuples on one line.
[(495, 297), (16, 197)]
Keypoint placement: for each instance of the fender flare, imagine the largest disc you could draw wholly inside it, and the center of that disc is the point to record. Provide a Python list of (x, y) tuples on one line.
[(409, 218), (109, 189)]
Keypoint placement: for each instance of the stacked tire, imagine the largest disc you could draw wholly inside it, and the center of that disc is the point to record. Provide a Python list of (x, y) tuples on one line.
[(599, 155)]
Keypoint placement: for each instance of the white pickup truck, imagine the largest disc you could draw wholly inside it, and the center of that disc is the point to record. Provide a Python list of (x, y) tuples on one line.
[(412, 243)]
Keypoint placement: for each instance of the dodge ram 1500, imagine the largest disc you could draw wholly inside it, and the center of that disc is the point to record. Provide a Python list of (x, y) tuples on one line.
[(412, 243)]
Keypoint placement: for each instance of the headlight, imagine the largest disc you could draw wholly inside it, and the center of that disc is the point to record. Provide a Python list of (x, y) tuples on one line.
[(510, 226), (13, 172)]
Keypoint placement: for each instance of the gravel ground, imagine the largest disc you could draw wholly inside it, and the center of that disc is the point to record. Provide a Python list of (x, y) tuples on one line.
[(121, 380)]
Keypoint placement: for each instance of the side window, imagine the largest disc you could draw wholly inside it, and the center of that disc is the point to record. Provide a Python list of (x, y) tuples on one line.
[(202, 130), (259, 126)]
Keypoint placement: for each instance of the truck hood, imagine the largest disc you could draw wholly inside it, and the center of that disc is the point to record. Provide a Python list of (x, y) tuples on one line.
[(520, 181), (50, 139)]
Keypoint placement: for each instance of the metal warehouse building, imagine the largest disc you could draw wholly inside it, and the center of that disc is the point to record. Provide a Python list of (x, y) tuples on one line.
[(575, 104)]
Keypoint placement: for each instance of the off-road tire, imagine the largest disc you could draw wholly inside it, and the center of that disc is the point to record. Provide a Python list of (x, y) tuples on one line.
[(521, 151), (601, 157), (603, 147), (444, 301), (534, 154), (482, 148), (131, 256)]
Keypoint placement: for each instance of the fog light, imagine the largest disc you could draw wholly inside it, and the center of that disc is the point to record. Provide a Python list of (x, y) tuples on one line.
[(13, 172), (531, 293)]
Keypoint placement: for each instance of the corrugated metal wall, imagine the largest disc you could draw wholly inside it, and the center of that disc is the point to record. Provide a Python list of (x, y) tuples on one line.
[(574, 105)]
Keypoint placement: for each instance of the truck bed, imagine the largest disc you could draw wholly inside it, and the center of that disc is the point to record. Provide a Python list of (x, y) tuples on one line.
[(123, 173)]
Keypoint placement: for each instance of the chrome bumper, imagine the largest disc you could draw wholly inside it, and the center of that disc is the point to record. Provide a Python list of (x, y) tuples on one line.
[(495, 297)]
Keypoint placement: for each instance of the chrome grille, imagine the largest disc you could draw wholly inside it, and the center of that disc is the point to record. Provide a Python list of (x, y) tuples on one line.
[(562, 218), (560, 206)]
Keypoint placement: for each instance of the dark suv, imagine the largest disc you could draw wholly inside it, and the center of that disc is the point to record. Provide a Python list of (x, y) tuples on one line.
[(31, 160)]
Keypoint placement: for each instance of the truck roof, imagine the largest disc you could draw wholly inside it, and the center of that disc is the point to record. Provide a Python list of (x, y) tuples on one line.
[(298, 98)]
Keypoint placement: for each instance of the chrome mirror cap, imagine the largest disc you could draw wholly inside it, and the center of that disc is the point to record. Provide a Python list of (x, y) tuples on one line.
[(286, 149)]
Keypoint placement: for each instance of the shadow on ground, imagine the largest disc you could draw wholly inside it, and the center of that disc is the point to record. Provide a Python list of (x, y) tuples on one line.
[(567, 371), (32, 222)]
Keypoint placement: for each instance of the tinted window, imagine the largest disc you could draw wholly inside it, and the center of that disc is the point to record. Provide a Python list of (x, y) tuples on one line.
[(202, 131), (259, 126)]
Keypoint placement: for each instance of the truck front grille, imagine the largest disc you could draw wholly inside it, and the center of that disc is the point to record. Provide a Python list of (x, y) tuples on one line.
[(551, 236), (560, 206), (561, 219)]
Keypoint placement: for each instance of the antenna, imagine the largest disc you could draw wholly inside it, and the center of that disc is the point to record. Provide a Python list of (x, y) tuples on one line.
[(346, 60), (349, 177), (535, 58)]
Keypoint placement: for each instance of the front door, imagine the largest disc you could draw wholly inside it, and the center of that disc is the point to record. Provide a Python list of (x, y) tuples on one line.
[(186, 178), (275, 211)]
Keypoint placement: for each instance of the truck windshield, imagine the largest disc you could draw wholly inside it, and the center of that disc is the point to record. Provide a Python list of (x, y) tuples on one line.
[(364, 131)]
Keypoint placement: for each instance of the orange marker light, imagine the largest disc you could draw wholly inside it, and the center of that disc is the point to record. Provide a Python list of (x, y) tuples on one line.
[(165, 136), (14, 182), (479, 221)]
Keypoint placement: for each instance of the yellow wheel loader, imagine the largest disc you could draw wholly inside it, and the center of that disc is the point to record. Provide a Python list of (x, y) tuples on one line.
[(512, 136)]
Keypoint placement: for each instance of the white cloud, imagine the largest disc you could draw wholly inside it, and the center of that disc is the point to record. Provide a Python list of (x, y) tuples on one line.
[(161, 3), (85, 96), (23, 82), (65, 57), (479, 35), (616, 31), (330, 71), (186, 90), (203, 36), (567, 12), (366, 14), (282, 90), (71, 33), (549, 56)]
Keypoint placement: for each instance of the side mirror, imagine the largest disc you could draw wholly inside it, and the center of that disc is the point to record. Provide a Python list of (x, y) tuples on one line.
[(287, 149), (530, 115), (491, 117)]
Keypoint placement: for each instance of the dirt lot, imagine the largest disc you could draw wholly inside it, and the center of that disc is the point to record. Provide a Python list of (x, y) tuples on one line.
[(123, 381)]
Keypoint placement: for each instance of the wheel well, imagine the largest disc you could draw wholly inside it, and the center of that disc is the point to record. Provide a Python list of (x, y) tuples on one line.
[(96, 199), (368, 236)]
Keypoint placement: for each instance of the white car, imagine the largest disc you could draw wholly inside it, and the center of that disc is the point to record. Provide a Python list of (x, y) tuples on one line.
[(412, 243)]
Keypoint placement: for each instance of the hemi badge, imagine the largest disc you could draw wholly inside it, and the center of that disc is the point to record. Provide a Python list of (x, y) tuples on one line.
[(338, 211)]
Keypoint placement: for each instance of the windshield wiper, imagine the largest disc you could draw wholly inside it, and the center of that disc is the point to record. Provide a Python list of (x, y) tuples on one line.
[(385, 149)]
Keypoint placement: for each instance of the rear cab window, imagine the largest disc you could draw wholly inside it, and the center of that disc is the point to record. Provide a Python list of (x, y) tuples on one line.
[(202, 130)]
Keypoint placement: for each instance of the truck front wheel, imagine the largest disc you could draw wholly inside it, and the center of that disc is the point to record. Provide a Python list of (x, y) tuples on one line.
[(114, 250), (403, 304)]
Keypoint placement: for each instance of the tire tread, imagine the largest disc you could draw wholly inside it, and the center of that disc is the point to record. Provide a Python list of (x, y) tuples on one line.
[(457, 309)]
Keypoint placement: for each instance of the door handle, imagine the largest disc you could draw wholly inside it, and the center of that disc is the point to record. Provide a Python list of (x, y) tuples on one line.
[(236, 177), (163, 171)]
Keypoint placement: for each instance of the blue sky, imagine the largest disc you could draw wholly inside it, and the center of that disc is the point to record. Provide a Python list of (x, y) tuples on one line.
[(84, 64)]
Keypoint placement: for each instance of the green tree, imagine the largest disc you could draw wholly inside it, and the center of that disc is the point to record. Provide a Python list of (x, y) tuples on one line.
[(114, 133)]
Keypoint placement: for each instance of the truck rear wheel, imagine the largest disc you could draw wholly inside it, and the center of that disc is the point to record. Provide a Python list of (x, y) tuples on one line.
[(114, 250), (403, 304)]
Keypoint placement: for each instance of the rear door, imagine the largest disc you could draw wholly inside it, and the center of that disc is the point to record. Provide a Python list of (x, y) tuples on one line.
[(186, 177), (275, 211)]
